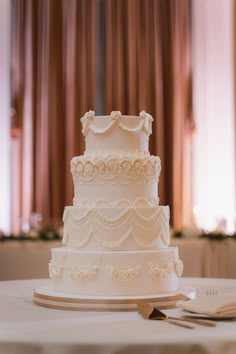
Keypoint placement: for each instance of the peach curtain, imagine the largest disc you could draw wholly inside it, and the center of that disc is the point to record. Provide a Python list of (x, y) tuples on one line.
[(53, 75), (147, 66)]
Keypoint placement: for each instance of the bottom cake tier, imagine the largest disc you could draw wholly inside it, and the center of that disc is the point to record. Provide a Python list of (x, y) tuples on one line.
[(115, 273)]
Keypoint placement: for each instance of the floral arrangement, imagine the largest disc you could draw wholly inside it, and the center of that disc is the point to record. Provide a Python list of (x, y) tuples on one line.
[(215, 235), (48, 233), (42, 234)]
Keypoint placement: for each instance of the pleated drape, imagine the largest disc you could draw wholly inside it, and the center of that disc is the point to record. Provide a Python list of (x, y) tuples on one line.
[(148, 67), (53, 76)]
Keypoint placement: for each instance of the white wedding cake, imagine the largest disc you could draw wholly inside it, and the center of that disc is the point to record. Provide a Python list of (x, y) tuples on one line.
[(116, 236)]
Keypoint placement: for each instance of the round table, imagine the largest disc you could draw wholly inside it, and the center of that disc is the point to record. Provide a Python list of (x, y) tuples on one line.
[(26, 328)]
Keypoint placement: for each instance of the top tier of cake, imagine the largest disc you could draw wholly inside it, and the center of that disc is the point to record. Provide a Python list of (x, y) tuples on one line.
[(130, 134), (116, 165)]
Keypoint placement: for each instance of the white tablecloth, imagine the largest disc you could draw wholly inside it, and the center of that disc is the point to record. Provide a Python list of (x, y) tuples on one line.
[(28, 329)]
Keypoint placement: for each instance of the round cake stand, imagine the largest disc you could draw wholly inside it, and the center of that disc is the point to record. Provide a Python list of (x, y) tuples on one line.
[(46, 297)]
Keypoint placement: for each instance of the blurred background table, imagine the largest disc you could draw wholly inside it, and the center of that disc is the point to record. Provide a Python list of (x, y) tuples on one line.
[(207, 258), (201, 257)]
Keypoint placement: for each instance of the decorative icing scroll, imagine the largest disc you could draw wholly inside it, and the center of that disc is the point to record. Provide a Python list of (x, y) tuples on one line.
[(126, 272), (86, 121), (112, 232), (83, 273), (55, 270), (179, 267), (138, 202), (144, 124), (115, 169), (162, 271)]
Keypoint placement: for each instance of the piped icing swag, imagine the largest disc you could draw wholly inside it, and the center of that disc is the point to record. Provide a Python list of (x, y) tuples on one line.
[(144, 124)]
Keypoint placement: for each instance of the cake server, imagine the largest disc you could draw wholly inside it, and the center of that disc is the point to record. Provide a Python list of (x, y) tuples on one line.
[(152, 313)]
